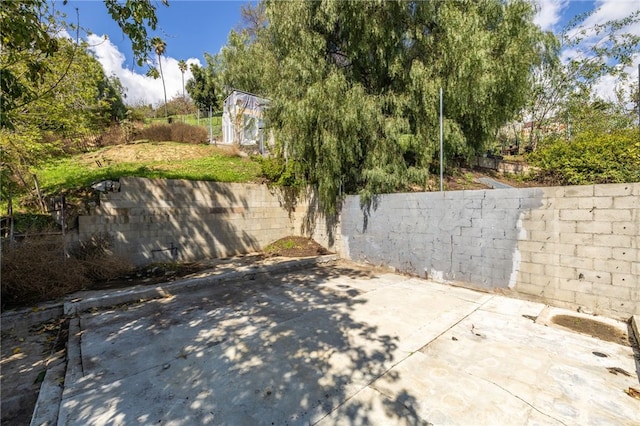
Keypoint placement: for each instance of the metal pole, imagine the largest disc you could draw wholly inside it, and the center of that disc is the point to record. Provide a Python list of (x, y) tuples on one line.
[(210, 127), (441, 142), (63, 225)]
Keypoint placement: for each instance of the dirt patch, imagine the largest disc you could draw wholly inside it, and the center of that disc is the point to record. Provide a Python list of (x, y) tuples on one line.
[(593, 328), (295, 247)]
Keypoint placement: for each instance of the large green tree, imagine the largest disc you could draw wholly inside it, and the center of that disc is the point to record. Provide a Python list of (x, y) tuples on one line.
[(205, 85), (52, 92), (83, 103), (29, 37), (354, 85)]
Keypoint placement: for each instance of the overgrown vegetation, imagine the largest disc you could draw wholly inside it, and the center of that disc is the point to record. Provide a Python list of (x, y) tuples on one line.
[(354, 86), (39, 268), (279, 172)]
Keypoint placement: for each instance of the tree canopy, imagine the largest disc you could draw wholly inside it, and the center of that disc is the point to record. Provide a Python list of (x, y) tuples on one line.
[(354, 85), (84, 102), (205, 87)]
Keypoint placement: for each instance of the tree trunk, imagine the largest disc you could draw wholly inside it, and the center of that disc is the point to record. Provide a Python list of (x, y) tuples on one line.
[(164, 89)]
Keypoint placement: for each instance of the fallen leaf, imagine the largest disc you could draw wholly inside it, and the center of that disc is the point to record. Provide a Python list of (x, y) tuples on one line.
[(633, 393), (618, 370), (40, 377), (17, 350)]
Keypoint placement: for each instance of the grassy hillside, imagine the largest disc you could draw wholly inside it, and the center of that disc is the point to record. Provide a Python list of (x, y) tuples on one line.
[(168, 160)]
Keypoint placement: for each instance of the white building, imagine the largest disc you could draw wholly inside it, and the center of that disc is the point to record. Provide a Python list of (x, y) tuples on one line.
[(242, 119)]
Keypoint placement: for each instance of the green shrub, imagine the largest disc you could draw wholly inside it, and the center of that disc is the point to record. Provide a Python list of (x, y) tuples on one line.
[(590, 158), (278, 172)]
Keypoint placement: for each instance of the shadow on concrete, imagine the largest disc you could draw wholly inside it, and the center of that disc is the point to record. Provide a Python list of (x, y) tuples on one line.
[(273, 350)]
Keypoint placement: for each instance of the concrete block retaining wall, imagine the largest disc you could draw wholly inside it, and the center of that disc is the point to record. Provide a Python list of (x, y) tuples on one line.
[(156, 219), (569, 246)]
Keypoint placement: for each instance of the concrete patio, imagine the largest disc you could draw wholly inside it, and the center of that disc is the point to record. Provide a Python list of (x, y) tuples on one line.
[(338, 345)]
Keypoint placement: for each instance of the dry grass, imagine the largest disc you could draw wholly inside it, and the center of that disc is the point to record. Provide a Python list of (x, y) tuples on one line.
[(37, 269), (114, 135), (153, 152)]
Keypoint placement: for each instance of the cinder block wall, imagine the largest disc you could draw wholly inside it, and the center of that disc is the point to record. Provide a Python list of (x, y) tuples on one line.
[(157, 219), (568, 246)]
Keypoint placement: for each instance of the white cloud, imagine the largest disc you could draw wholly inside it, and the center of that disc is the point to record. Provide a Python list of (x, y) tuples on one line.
[(549, 12), (607, 86), (140, 88), (605, 11)]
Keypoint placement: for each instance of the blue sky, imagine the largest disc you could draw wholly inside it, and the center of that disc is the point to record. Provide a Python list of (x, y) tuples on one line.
[(193, 27), (189, 27)]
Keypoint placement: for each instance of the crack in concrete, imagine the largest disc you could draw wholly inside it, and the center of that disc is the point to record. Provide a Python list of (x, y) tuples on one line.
[(390, 398), (445, 331), (517, 397), (371, 385)]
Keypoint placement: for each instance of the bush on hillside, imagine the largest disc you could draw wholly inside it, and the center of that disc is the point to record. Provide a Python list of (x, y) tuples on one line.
[(156, 133), (590, 158), (186, 133), (176, 132), (277, 172)]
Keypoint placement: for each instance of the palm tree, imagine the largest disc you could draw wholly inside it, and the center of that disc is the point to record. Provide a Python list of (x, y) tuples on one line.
[(183, 68), (160, 47)]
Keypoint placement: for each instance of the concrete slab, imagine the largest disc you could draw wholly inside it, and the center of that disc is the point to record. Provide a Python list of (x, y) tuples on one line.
[(338, 346), (494, 364)]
